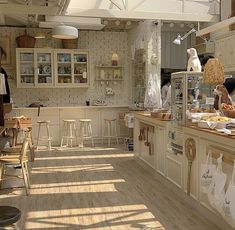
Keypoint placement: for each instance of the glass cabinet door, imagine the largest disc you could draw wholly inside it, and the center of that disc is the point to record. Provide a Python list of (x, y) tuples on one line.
[(44, 69), (80, 73), (26, 68), (63, 68)]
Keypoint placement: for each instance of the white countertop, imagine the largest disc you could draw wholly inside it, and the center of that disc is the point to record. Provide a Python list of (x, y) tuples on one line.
[(74, 107)]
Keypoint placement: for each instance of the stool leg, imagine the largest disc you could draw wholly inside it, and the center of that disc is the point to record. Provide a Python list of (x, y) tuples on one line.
[(15, 225), (49, 137), (90, 134), (70, 135), (31, 147), (25, 179), (1, 173), (109, 133), (115, 131), (39, 127), (81, 135)]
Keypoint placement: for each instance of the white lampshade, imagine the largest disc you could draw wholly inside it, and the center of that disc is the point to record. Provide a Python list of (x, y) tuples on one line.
[(177, 41), (64, 32)]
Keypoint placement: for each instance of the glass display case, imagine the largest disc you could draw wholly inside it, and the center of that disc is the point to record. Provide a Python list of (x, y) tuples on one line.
[(189, 94)]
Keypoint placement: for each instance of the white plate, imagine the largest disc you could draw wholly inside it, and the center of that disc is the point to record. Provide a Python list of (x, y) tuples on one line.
[(47, 69)]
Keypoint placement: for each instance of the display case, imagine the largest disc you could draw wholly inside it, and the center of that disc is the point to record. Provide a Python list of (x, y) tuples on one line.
[(71, 68), (41, 68), (188, 94)]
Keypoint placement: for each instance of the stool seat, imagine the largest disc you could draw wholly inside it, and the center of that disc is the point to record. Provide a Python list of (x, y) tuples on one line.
[(9, 215), (67, 120), (85, 120), (43, 122)]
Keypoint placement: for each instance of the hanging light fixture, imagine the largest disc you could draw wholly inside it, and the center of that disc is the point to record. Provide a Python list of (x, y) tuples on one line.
[(64, 32)]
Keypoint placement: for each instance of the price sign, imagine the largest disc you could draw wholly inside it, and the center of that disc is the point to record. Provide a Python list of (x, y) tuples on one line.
[(210, 100)]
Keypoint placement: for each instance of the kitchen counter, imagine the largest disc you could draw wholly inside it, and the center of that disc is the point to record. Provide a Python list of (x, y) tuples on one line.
[(56, 115), (173, 165), (75, 106)]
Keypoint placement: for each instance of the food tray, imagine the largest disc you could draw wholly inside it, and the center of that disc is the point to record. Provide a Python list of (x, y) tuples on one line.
[(157, 113), (211, 124)]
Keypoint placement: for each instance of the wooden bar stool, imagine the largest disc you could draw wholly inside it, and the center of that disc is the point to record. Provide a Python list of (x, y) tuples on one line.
[(110, 130), (69, 131), (46, 138), (85, 131)]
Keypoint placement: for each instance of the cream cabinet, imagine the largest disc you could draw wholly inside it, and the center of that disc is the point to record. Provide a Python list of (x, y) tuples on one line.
[(71, 68), (51, 68), (160, 148)]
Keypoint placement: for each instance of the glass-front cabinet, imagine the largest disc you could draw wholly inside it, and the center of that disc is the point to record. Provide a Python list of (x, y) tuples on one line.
[(186, 94), (190, 96), (44, 68), (25, 68), (71, 68), (51, 68)]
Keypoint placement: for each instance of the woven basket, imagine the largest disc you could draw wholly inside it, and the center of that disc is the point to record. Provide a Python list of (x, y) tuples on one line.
[(70, 43), (25, 41), (229, 113)]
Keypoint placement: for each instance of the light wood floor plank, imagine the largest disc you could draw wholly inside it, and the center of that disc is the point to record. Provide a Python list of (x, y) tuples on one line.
[(98, 189)]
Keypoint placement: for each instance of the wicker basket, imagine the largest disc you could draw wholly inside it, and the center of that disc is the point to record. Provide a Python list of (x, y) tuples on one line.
[(70, 43), (25, 41), (229, 113)]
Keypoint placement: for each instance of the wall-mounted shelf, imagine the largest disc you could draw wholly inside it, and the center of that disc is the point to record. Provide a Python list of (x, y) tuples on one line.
[(109, 73)]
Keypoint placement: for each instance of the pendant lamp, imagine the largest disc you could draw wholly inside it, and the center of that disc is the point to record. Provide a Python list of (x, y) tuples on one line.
[(64, 32)]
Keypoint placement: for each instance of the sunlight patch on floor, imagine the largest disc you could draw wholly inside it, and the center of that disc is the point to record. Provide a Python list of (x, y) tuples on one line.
[(57, 169), (115, 217), (87, 157)]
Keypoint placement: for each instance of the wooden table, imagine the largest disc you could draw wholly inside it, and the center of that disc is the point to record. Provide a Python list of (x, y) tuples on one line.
[(16, 124)]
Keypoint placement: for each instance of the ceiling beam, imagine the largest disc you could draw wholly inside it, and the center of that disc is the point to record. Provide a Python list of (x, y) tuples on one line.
[(71, 19), (216, 26), (141, 15), (28, 9), (2, 19)]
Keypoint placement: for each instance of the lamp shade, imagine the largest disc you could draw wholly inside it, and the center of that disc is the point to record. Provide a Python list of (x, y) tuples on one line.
[(177, 41), (64, 32)]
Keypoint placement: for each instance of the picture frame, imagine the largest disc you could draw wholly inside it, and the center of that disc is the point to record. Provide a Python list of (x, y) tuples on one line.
[(117, 74), (5, 44)]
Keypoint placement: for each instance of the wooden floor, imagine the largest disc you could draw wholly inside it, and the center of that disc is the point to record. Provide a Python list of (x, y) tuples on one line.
[(98, 189)]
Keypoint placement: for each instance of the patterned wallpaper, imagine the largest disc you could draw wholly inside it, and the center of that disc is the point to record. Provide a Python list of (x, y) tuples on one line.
[(101, 45)]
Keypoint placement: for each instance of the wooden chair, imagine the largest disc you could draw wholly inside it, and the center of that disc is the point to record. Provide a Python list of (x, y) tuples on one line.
[(19, 159), (15, 150)]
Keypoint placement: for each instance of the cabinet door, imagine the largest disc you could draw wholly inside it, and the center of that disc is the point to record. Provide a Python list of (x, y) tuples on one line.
[(80, 68), (63, 68), (25, 68), (44, 68), (94, 115), (160, 149)]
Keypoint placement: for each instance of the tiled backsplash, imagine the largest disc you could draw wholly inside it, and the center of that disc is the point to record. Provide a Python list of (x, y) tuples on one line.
[(101, 45)]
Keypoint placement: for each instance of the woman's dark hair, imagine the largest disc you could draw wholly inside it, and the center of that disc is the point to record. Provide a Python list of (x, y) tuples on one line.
[(205, 59), (2, 52), (166, 81), (230, 84)]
